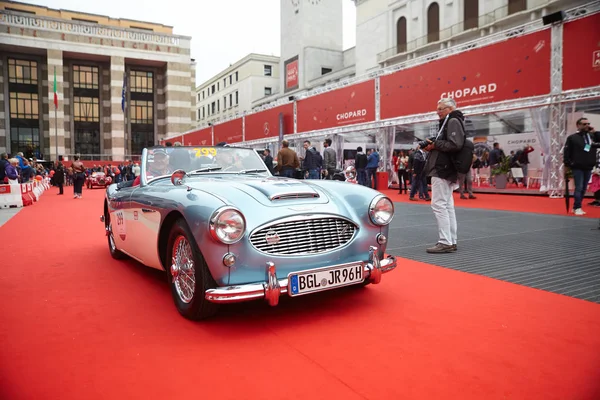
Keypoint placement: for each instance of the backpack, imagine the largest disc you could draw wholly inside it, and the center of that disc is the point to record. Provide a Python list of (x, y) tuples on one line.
[(463, 159)]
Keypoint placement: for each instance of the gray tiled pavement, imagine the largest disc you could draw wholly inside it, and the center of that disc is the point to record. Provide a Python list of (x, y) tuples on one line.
[(560, 254), (7, 213)]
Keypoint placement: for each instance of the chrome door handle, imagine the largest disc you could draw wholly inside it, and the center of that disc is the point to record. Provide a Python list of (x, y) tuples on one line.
[(147, 210)]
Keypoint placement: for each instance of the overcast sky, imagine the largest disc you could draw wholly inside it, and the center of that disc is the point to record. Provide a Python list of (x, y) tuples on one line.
[(222, 31)]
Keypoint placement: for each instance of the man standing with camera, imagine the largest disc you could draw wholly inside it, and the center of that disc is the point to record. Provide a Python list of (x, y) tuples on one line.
[(444, 176), (580, 155)]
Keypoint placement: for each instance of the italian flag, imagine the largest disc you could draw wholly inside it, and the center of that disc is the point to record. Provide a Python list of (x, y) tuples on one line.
[(55, 91)]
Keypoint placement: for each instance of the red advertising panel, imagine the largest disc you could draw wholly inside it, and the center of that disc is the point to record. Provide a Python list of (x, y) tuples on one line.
[(202, 137), (350, 105), (516, 68), (581, 53), (230, 131), (265, 124), (292, 72)]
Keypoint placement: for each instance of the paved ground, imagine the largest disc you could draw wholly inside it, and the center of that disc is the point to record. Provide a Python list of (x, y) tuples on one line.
[(554, 253), (7, 213)]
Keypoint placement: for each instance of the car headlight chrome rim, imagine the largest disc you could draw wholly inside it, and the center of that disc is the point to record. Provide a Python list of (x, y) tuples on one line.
[(227, 225), (381, 210)]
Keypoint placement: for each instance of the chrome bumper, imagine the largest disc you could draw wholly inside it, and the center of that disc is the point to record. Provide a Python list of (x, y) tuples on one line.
[(273, 288)]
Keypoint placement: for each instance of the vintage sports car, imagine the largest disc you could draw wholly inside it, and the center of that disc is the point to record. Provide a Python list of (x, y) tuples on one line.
[(225, 230), (97, 179)]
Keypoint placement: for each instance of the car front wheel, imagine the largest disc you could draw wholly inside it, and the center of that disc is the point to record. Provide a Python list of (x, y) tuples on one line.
[(112, 247), (188, 274)]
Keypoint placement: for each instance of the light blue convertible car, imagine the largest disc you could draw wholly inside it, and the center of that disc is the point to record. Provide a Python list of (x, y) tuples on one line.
[(227, 231)]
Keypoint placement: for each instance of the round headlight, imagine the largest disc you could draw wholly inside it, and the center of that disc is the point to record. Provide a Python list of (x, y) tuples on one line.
[(381, 210), (227, 225)]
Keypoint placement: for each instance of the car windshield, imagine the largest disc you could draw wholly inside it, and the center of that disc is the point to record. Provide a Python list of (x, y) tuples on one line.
[(160, 161)]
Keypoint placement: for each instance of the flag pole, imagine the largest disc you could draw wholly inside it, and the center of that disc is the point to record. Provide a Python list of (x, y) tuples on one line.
[(55, 116)]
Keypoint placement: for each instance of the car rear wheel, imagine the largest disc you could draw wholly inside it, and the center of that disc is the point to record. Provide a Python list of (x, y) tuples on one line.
[(112, 247), (188, 274)]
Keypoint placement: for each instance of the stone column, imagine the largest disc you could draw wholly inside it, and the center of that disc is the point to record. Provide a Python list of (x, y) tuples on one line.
[(56, 115), (177, 98), (3, 117), (117, 116), (194, 112)]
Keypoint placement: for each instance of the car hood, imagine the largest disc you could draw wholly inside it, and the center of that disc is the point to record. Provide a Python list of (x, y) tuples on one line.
[(270, 192)]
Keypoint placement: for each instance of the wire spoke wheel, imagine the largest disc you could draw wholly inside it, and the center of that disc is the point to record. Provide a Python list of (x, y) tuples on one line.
[(183, 270)]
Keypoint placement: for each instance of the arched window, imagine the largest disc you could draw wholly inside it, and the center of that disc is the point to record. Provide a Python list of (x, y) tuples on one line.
[(433, 23), (401, 35), (514, 6), (471, 14)]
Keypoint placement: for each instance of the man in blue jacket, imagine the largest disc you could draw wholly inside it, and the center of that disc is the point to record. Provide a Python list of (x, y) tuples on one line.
[(372, 165)]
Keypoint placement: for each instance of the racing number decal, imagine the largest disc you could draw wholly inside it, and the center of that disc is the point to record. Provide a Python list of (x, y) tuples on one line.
[(120, 221), (205, 151)]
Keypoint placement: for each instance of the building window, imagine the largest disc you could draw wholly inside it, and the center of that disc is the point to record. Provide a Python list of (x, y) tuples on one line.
[(401, 35), (237, 98), (471, 14), (268, 91), (25, 139), (213, 89), (325, 71), (141, 81), (24, 105), (230, 99), (18, 10), (89, 21), (86, 109), (198, 97), (224, 83), (230, 79), (218, 105), (22, 71), (87, 141), (224, 102), (236, 76), (141, 138), (203, 95), (85, 77), (268, 70), (515, 6), (212, 108), (142, 112), (203, 115), (433, 23)]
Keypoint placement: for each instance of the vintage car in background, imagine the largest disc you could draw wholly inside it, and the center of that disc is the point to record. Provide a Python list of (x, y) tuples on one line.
[(97, 179), (227, 231)]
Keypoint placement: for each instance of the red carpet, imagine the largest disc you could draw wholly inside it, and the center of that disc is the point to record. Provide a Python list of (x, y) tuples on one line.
[(532, 204), (76, 324)]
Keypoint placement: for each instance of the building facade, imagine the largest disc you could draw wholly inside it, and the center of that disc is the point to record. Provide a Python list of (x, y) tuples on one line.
[(74, 83), (234, 90), (392, 32)]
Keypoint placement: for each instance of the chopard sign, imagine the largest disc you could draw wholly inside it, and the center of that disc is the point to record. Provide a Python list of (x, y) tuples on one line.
[(351, 115), (471, 91), (85, 29)]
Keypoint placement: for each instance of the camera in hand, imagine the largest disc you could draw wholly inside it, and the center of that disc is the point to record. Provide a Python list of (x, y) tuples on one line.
[(426, 142)]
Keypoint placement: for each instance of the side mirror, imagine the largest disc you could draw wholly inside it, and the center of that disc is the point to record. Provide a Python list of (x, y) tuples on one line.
[(177, 177)]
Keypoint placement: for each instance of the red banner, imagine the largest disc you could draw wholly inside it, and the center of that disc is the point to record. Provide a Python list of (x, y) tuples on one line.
[(581, 53), (202, 137), (516, 68), (347, 106), (229, 132), (292, 72), (265, 124)]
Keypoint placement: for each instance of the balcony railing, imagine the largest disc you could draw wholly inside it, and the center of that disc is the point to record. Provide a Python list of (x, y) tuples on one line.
[(471, 25)]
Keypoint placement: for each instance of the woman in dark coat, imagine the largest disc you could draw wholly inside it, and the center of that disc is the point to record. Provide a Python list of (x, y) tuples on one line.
[(59, 176)]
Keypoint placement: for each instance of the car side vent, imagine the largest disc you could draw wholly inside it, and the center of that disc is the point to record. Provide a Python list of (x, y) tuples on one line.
[(293, 196)]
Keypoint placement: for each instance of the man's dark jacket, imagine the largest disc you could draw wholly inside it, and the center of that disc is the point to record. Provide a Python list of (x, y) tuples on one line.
[(451, 140), (574, 154)]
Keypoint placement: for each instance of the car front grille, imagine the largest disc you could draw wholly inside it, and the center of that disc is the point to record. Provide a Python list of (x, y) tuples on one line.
[(306, 236)]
